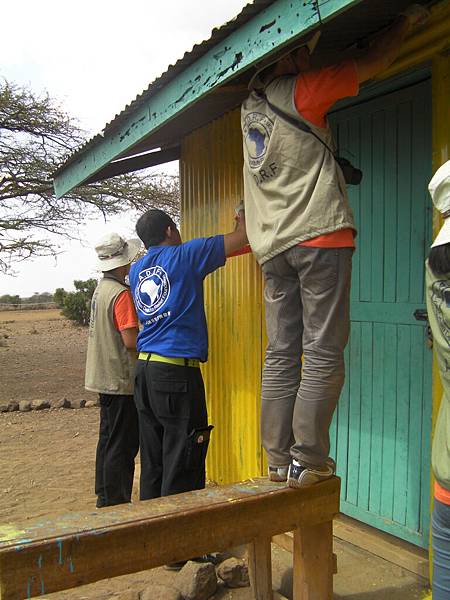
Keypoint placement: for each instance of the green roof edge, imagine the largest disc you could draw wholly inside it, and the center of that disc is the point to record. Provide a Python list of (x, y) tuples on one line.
[(275, 26)]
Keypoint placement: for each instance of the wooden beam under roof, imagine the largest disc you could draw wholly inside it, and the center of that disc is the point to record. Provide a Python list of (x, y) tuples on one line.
[(135, 163)]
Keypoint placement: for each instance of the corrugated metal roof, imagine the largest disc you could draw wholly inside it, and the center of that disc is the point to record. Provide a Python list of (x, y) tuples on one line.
[(341, 36), (217, 35)]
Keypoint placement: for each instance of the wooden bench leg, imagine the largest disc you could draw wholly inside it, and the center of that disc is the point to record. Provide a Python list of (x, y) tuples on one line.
[(260, 568), (313, 562)]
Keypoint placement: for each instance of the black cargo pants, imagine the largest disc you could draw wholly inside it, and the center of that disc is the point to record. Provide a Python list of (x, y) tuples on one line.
[(118, 444), (173, 428)]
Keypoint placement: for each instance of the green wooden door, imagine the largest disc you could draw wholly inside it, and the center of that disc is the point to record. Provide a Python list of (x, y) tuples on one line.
[(381, 430)]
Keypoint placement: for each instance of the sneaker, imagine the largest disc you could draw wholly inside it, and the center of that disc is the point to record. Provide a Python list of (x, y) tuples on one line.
[(278, 473), (300, 476)]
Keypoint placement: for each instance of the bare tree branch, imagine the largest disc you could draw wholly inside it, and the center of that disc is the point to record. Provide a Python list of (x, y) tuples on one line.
[(36, 135)]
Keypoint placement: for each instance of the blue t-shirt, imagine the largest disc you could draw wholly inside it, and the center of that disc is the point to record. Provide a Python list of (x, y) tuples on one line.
[(167, 288)]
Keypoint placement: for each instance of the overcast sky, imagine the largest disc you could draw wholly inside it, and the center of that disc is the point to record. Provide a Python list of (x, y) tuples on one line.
[(95, 57)]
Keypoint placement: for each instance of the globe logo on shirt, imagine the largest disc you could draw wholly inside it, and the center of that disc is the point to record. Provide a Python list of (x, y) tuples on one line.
[(257, 129), (152, 291)]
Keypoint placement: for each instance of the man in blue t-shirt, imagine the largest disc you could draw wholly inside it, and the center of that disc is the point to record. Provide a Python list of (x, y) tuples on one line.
[(167, 287)]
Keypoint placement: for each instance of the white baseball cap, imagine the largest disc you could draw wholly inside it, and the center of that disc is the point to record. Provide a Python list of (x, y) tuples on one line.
[(113, 251), (439, 188)]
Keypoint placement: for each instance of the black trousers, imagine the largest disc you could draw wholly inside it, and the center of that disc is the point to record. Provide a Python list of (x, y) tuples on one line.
[(173, 428), (118, 444)]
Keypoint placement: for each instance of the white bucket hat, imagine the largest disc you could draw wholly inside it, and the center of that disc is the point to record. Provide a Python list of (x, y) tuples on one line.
[(439, 188), (310, 43), (113, 251)]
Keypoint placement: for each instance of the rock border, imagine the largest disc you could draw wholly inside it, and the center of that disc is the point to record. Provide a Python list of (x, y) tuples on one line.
[(34, 405)]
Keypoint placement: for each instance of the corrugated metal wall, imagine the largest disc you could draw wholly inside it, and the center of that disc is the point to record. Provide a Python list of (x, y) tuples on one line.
[(211, 186)]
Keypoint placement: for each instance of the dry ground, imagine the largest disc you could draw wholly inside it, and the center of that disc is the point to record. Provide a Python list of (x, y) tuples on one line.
[(47, 461), (42, 356)]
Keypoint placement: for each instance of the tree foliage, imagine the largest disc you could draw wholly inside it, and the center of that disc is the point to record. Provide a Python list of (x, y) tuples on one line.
[(36, 136), (59, 297), (38, 298), (76, 305), (10, 299)]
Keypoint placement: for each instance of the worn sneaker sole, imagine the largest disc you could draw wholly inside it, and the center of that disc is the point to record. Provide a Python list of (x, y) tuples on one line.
[(312, 476), (308, 477)]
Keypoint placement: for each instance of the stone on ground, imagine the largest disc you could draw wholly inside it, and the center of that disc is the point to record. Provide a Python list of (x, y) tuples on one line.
[(40, 404), (24, 406), (13, 405), (234, 573), (160, 592), (197, 581), (77, 403), (90, 404), (63, 403), (4, 407)]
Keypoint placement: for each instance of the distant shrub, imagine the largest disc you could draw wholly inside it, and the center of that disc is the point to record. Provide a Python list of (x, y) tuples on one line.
[(59, 297), (76, 305)]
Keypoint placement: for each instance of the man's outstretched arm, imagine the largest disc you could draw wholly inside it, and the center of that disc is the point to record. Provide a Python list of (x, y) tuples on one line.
[(386, 47), (238, 238)]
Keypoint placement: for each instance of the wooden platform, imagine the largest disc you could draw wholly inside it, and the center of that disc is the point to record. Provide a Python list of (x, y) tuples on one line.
[(383, 545), (45, 556)]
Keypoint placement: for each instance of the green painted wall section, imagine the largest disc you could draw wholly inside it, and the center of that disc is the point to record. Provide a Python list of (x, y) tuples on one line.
[(381, 430), (278, 24)]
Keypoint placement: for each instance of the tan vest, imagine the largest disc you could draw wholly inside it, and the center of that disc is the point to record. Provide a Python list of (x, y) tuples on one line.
[(109, 365), (438, 295), (294, 190)]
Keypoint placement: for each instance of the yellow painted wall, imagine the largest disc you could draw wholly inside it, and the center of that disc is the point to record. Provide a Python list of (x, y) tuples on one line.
[(211, 176)]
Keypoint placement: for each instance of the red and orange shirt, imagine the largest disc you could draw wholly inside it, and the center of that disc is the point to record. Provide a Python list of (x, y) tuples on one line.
[(125, 316), (315, 93), (441, 494)]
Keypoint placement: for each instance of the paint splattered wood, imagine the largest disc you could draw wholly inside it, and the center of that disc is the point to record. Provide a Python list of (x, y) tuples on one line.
[(78, 548)]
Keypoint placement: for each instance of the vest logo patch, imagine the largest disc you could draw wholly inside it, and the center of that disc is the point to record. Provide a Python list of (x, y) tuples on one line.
[(257, 129), (152, 291)]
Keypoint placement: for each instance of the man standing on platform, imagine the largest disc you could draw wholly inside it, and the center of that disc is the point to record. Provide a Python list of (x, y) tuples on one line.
[(301, 230)]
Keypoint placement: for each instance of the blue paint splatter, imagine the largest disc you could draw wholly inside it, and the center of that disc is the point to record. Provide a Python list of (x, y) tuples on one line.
[(21, 543), (71, 567), (39, 562), (29, 586), (42, 586), (60, 546)]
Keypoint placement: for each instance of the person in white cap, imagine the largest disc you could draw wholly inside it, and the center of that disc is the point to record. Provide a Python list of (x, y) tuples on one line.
[(110, 362), (437, 269), (301, 230)]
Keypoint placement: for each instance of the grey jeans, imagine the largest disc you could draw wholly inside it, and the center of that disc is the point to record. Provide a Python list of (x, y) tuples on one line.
[(307, 297), (441, 550)]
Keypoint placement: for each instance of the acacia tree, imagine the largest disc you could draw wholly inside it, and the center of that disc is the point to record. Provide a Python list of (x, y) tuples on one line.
[(36, 135)]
